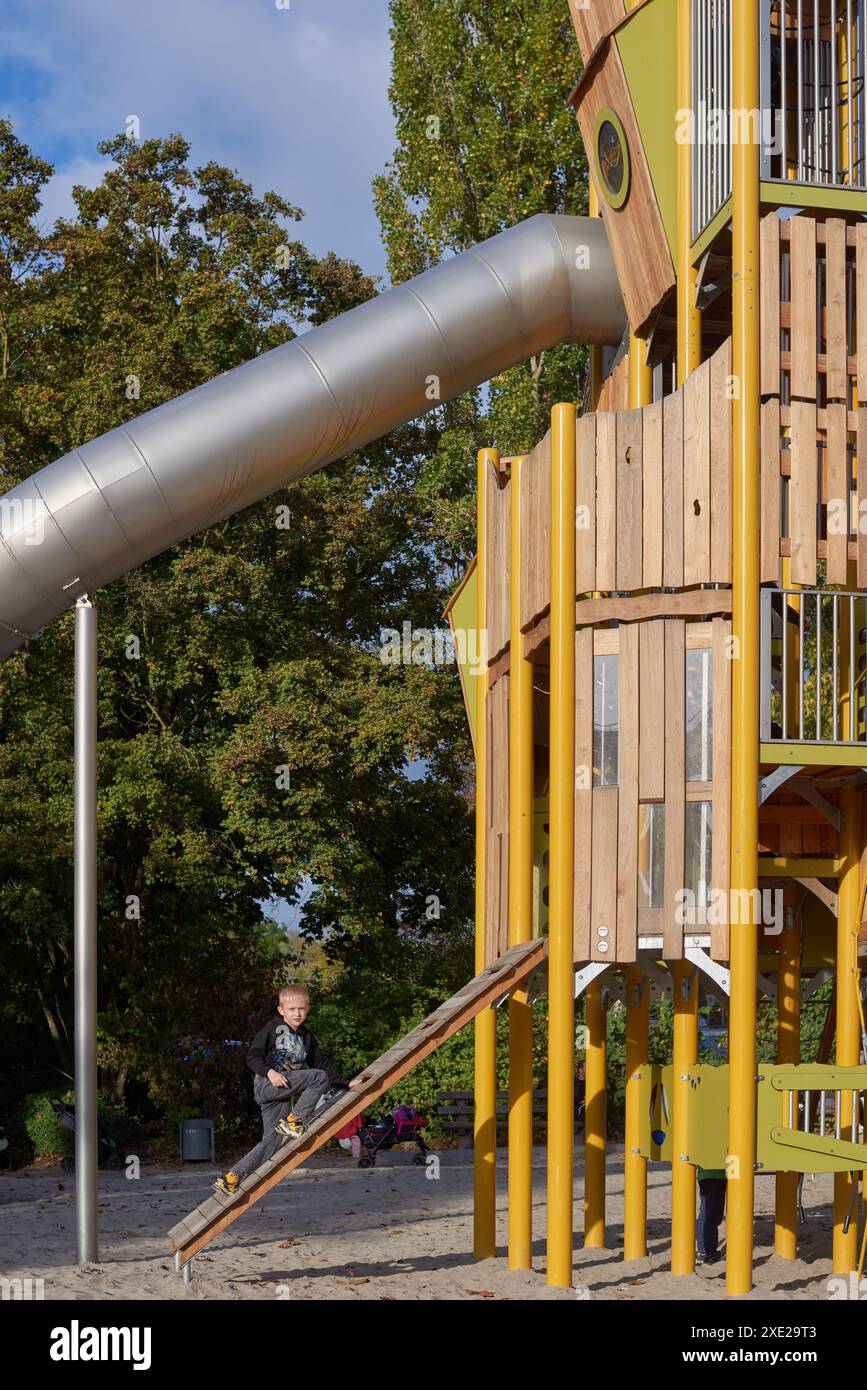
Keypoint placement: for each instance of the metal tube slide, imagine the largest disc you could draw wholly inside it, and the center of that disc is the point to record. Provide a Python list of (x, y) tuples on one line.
[(105, 508)]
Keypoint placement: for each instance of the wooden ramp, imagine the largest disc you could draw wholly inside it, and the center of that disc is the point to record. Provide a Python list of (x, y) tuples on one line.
[(219, 1211)]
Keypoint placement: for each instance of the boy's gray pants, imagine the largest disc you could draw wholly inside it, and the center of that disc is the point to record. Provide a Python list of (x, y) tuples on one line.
[(276, 1102)]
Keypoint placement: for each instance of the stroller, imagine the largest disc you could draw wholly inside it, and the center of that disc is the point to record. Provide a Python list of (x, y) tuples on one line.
[(110, 1154), (402, 1125)]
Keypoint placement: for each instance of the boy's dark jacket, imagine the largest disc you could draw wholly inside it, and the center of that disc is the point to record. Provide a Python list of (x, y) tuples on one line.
[(259, 1056)]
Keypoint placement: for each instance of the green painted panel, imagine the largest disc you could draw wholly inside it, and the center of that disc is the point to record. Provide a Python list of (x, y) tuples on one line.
[(464, 617), (801, 195), (647, 45), (654, 1139), (815, 754)]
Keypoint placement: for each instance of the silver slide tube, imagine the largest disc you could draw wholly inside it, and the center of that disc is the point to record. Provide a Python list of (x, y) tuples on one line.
[(114, 503)]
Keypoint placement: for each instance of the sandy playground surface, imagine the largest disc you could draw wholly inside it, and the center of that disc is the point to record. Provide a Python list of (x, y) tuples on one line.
[(333, 1231)]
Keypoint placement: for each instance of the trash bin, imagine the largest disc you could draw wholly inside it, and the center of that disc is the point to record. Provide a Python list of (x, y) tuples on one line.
[(197, 1141)]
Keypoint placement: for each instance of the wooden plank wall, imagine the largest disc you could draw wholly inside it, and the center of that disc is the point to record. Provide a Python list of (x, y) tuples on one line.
[(813, 283), (593, 21), (653, 500), (636, 235), (652, 769), (614, 391)]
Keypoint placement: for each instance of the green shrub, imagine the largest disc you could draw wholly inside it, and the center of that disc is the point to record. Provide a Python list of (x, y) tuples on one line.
[(49, 1136)]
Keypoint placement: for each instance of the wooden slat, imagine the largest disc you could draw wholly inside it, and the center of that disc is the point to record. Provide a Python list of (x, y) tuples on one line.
[(627, 788), (629, 480), (651, 666), (837, 475), (722, 730), (535, 532), (583, 789), (721, 466), (770, 335), (861, 306), (861, 521), (690, 603), (672, 474), (696, 476), (606, 502), (593, 21), (514, 967), (585, 505), (803, 492), (675, 784), (803, 330), (836, 375), (603, 911), (497, 569), (770, 466), (652, 497)]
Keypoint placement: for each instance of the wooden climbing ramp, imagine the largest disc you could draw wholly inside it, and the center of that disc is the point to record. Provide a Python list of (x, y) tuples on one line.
[(197, 1230)]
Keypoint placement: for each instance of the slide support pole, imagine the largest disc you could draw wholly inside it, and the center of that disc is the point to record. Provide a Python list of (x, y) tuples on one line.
[(86, 1195), (848, 1050), (635, 1167), (788, 1053), (685, 1054), (595, 1118)]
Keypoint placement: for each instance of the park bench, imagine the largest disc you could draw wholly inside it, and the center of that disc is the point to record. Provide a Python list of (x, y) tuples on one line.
[(455, 1111)]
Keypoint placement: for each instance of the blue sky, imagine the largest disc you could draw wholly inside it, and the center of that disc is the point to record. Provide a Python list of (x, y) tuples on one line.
[(296, 99)]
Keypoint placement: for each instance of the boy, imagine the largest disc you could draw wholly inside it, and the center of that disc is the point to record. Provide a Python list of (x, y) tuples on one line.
[(286, 1060), (712, 1186)]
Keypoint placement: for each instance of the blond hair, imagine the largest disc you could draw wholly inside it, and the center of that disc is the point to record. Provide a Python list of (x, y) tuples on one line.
[(293, 989)]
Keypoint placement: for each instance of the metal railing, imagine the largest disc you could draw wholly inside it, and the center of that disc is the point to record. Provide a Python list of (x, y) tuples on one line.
[(813, 90), (711, 87), (812, 652)]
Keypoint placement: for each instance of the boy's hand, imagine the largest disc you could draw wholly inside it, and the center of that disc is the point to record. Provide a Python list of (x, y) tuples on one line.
[(355, 1084), (277, 1078)]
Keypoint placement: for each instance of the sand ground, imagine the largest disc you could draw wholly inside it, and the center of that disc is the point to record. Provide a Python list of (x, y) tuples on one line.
[(333, 1231)]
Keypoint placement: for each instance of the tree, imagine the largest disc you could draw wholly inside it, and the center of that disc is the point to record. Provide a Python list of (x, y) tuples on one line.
[(251, 739), (485, 140)]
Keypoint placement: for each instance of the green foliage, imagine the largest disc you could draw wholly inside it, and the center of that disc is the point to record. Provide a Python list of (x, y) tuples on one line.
[(49, 1137), (485, 140)]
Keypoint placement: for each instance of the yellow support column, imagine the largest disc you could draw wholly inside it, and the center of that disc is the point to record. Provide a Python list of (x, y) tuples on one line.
[(635, 1166), (745, 654), (561, 986), (520, 904), (595, 1118), (485, 1122), (788, 1052), (848, 1019), (682, 1172)]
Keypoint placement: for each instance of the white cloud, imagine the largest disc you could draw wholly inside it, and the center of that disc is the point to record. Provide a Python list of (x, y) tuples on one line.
[(295, 99)]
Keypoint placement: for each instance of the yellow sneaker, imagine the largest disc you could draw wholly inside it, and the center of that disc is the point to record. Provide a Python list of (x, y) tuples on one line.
[(292, 1127), (229, 1183)]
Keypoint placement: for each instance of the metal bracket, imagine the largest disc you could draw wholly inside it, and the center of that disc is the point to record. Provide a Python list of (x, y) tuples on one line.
[(588, 973), (774, 780), (809, 987), (711, 968), (661, 978), (804, 787), (818, 889), (767, 987)]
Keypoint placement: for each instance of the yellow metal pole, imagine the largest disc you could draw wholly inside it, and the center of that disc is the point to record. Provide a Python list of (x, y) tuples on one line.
[(595, 1118), (685, 1042), (789, 1053), (520, 904), (688, 316), (561, 1001), (745, 653), (640, 375), (635, 1166), (485, 1122), (685, 1050), (848, 1018)]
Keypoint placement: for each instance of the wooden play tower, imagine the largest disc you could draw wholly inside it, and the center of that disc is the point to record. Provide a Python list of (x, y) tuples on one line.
[(669, 718)]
